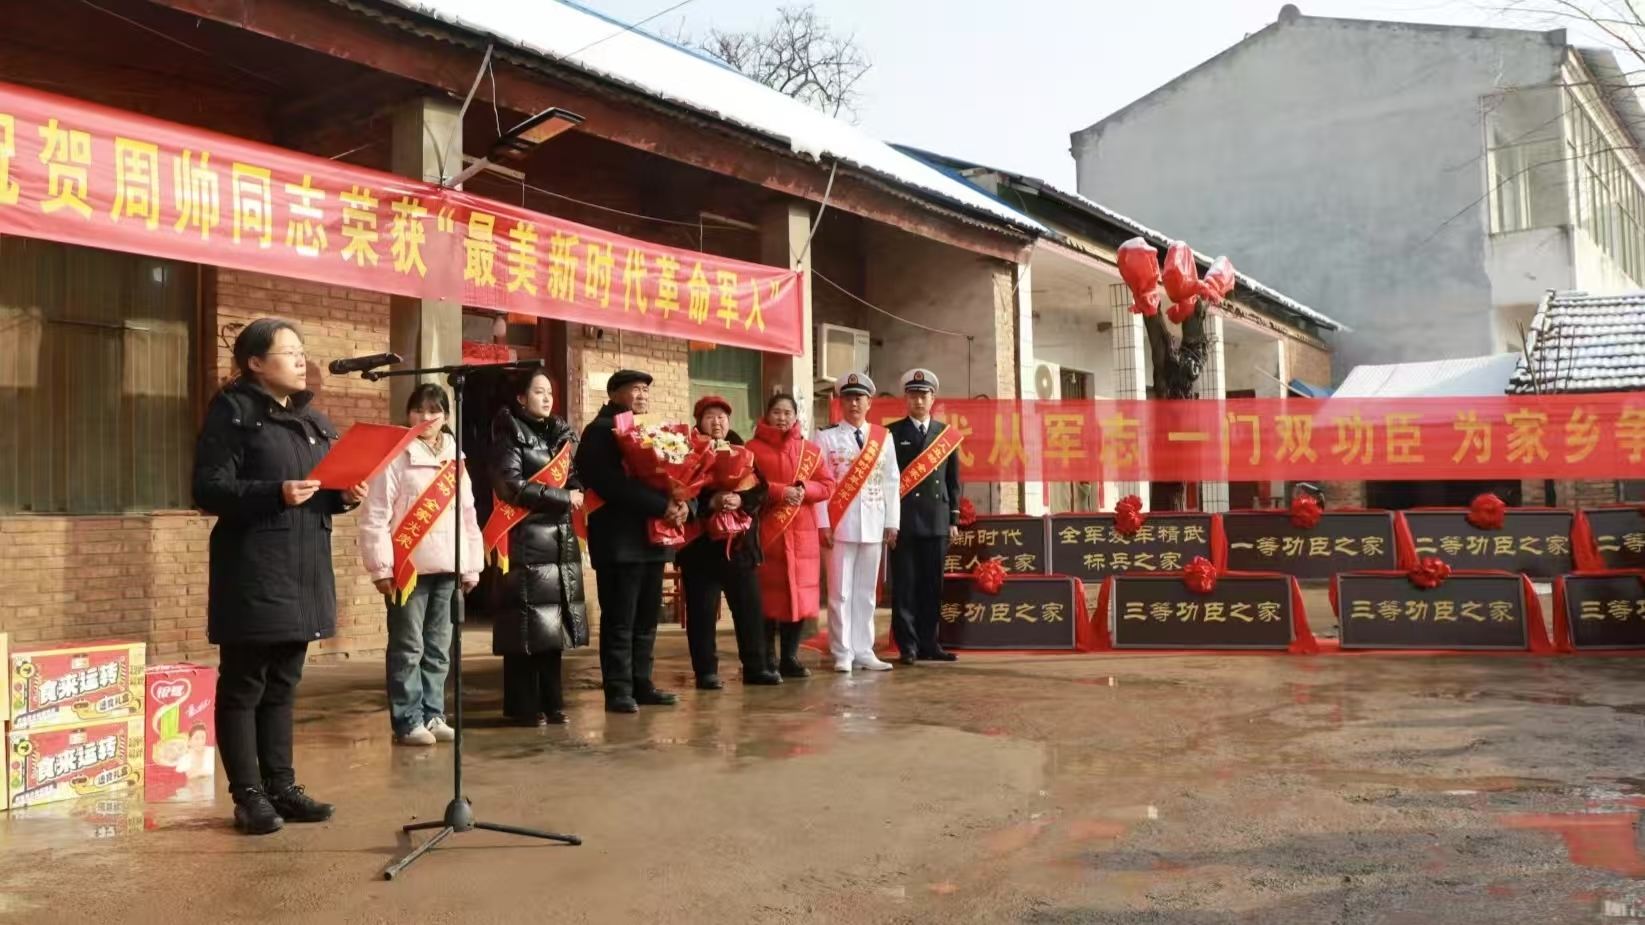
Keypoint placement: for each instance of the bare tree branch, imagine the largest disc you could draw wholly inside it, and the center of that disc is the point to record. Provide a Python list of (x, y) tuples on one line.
[(798, 55)]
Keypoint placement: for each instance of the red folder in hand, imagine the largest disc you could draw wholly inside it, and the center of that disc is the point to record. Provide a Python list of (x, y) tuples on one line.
[(364, 451)]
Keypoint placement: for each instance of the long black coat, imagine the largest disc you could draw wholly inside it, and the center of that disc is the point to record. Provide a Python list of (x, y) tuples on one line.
[(541, 598), (271, 577), (745, 548), (617, 532)]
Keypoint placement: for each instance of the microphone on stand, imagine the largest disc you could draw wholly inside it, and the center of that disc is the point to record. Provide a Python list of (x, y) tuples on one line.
[(363, 364)]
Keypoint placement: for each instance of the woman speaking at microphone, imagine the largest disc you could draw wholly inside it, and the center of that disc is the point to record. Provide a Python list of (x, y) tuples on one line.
[(272, 591)]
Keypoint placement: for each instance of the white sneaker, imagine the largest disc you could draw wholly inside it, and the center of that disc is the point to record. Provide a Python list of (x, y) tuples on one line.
[(442, 732), (843, 666), (872, 663), (419, 736)]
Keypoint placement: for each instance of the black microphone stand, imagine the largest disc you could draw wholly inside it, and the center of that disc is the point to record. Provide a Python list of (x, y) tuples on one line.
[(459, 814)]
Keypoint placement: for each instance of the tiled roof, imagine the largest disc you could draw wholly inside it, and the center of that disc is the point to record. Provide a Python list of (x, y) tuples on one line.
[(1584, 343)]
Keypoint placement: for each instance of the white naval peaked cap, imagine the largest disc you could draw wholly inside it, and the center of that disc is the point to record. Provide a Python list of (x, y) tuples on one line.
[(854, 384)]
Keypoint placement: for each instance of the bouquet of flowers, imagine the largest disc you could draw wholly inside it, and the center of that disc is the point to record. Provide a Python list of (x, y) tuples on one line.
[(730, 468), (672, 458)]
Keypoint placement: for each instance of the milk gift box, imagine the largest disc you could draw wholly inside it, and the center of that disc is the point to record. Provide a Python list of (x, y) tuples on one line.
[(180, 759)]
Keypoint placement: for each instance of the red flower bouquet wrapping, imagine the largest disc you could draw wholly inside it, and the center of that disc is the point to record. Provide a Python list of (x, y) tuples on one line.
[(989, 576), (731, 468), (1305, 513), (1139, 267), (968, 512), (1128, 515), (1200, 576), (1487, 512), (1430, 573), (673, 459)]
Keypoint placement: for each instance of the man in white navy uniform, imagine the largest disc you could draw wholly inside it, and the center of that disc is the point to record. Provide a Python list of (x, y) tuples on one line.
[(856, 524)]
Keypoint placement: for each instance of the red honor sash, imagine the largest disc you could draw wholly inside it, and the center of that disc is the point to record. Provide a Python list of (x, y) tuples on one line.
[(419, 520), (505, 516), (929, 459), (778, 518), (857, 476)]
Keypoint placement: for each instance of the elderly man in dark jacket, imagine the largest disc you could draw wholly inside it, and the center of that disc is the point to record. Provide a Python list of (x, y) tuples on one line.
[(629, 569)]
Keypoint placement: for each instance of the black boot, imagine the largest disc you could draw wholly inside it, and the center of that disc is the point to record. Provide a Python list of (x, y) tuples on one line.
[(790, 666), (621, 705), (772, 662), (709, 682), (294, 805), (254, 814), (761, 676), (655, 698)]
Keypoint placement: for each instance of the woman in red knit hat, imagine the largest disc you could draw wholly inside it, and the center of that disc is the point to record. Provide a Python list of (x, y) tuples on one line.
[(710, 568)]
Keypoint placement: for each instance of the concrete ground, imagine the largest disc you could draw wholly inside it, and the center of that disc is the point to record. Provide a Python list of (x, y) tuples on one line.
[(1046, 789)]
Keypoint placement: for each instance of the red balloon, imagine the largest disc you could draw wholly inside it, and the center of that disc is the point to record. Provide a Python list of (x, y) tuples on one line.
[(1181, 277)]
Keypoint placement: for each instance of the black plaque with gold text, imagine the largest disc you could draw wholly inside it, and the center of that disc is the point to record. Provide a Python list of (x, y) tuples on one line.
[(1161, 612), (1619, 532), (1342, 541), (1030, 612), (1534, 543), (1606, 611), (1088, 547), (1017, 540), (1464, 612)]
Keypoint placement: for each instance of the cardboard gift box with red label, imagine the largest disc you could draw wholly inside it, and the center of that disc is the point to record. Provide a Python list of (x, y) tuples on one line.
[(75, 685), (180, 761), (65, 763)]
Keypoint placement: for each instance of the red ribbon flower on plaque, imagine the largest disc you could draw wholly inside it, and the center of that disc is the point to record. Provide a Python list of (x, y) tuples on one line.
[(1305, 512), (1487, 512), (1200, 576), (968, 512), (1430, 573), (989, 576), (1128, 515), (1139, 267)]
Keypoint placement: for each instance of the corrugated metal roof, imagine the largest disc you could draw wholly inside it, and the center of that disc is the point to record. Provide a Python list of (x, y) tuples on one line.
[(571, 36), (1473, 377), (1584, 343)]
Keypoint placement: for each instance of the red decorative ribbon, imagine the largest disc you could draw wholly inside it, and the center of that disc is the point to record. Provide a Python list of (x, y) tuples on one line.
[(1200, 576), (968, 512), (1128, 515), (989, 576), (1305, 512), (1487, 512), (1430, 573)]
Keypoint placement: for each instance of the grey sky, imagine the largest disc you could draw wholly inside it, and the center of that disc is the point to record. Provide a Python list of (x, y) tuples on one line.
[(1005, 83)]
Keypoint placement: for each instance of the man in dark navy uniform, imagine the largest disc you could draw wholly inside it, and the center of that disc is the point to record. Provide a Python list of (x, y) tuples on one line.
[(930, 470)]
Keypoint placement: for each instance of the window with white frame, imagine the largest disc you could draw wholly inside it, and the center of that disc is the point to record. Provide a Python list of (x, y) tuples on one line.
[(1610, 206)]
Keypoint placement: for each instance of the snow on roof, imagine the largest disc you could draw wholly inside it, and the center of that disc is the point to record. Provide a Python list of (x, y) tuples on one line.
[(615, 51), (1585, 343), (1473, 377)]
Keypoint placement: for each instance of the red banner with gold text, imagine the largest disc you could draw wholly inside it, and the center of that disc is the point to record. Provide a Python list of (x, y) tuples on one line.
[(1600, 436), (79, 173)]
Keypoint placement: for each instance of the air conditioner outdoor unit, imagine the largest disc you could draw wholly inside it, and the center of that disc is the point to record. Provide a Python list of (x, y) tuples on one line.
[(840, 350), (1047, 381)]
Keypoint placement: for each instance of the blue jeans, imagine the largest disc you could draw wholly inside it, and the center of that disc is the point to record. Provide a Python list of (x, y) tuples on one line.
[(419, 653)]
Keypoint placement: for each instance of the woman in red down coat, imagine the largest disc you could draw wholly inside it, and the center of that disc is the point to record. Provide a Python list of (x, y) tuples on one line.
[(789, 579)]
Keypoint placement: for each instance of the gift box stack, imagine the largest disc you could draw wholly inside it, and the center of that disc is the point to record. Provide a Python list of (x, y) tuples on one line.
[(93, 720)]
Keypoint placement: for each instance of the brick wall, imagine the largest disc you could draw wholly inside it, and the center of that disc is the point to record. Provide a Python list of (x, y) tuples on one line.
[(1343, 494), (144, 576), (1588, 493), (594, 359), (1307, 362)]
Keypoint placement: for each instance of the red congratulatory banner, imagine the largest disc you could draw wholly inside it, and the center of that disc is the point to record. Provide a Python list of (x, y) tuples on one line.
[(78, 173), (1268, 439)]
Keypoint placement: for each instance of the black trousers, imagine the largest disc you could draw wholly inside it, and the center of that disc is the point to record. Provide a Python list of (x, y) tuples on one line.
[(256, 688), (532, 685), (706, 576), (789, 635), (916, 593), (631, 596)]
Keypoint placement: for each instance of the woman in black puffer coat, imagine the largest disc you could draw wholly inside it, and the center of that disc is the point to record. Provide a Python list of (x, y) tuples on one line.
[(540, 612)]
